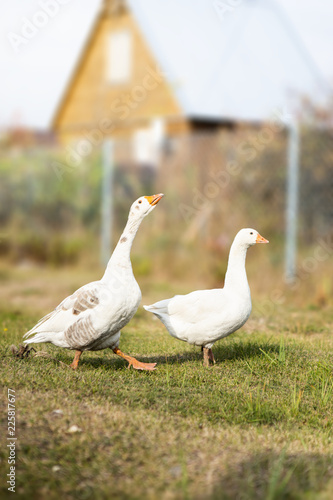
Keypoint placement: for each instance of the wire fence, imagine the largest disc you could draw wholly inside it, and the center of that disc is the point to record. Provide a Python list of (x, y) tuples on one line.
[(215, 183)]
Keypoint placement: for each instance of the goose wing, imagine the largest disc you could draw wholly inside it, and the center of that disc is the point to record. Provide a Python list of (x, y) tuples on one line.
[(69, 311)]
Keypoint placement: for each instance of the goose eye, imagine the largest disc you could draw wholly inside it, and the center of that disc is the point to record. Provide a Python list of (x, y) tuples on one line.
[(251, 232), (140, 201)]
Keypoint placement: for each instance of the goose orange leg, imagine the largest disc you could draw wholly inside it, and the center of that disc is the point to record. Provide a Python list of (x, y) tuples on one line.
[(207, 356), (76, 360), (134, 362)]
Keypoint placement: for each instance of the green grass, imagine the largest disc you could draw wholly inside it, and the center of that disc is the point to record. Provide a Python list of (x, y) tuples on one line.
[(257, 425)]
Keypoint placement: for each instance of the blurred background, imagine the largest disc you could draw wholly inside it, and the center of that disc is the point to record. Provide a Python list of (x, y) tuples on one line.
[(225, 106)]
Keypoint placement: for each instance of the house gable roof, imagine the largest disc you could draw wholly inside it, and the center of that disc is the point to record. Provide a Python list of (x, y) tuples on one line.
[(244, 63)]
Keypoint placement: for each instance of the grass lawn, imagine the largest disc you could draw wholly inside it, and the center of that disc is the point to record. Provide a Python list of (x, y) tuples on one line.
[(256, 425)]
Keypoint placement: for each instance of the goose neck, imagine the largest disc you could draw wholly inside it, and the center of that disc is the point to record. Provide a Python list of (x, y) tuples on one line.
[(121, 255), (236, 273)]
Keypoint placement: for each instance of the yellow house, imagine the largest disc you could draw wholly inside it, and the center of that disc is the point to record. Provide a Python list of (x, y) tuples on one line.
[(117, 88), (158, 68)]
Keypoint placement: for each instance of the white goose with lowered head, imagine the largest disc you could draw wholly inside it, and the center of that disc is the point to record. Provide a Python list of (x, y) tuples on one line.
[(205, 316), (91, 318)]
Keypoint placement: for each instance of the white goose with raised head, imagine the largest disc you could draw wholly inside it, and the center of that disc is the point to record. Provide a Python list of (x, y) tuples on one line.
[(205, 316), (92, 317)]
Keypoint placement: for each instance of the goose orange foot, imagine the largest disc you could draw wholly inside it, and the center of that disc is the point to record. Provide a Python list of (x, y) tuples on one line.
[(76, 360), (208, 356), (134, 362)]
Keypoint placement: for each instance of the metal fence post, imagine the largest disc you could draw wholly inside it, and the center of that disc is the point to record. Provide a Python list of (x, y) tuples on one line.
[(292, 200), (107, 204)]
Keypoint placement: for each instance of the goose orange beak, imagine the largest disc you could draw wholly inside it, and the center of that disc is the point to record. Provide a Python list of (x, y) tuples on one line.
[(154, 199), (260, 239)]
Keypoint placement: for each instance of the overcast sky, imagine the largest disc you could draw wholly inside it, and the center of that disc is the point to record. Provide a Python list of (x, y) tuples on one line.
[(34, 75)]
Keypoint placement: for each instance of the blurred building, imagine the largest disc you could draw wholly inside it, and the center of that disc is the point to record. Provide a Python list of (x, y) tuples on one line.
[(153, 70)]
